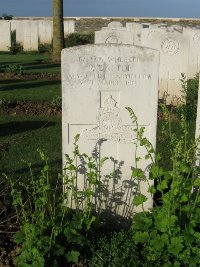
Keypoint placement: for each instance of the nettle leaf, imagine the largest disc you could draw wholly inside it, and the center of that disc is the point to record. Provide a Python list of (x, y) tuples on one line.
[(139, 200), (163, 222), (138, 174), (72, 256), (71, 167), (163, 185), (103, 160), (176, 245), (155, 172), (197, 182), (141, 237), (184, 198), (19, 237), (142, 221), (152, 189), (91, 165)]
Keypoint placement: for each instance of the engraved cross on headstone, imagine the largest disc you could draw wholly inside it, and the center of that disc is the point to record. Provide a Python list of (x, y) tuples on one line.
[(167, 87)]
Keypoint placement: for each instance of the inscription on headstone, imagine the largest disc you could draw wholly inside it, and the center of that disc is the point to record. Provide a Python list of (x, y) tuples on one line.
[(98, 82)]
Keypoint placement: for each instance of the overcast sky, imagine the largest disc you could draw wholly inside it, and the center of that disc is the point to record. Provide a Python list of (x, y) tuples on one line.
[(105, 8)]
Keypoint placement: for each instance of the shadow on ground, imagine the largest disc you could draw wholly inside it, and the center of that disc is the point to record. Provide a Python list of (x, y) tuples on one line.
[(28, 85), (16, 127)]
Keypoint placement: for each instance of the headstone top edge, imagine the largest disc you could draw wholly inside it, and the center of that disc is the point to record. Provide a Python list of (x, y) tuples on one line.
[(78, 48)]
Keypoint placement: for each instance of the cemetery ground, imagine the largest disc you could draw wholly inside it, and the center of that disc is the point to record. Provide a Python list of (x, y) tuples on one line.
[(30, 119)]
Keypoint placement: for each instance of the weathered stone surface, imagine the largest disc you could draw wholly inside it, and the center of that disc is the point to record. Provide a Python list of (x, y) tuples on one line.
[(98, 82), (5, 35)]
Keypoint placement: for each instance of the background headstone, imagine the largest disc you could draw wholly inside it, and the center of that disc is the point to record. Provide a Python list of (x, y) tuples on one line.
[(5, 35), (136, 28), (69, 27), (45, 31), (20, 31), (197, 132), (174, 49), (98, 82), (30, 34), (193, 35), (115, 33), (13, 23)]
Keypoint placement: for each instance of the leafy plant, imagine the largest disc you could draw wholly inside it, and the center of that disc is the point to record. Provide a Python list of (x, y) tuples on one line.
[(15, 47), (56, 102), (14, 68), (44, 48), (49, 230), (190, 96), (168, 234), (3, 103)]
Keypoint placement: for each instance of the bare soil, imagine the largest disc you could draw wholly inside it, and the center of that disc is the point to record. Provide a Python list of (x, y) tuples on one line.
[(31, 76), (29, 108)]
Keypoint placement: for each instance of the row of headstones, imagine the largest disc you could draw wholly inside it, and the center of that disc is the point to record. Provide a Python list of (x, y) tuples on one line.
[(29, 33), (178, 47), (98, 82)]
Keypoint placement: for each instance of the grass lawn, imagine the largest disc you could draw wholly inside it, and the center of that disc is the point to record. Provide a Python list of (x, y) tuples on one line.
[(31, 63), (30, 90), (21, 136), (18, 90)]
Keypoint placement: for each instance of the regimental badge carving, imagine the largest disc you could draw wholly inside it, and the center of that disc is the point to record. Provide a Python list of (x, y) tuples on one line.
[(112, 39), (110, 125), (196, 37), (170, 46)]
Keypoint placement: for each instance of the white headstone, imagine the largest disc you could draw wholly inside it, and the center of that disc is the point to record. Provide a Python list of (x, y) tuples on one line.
[(30, 32), (13, 23), (194, 53), (197, 132), (69, 27), (20, 30), (98, 82), (45, 31), (115, 33), (136, 28), (5, 35), (173, 48)]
